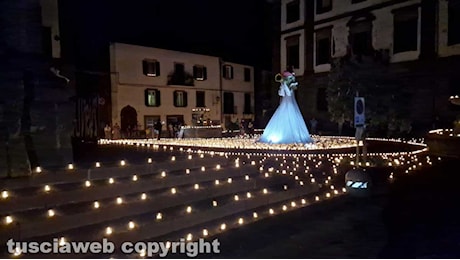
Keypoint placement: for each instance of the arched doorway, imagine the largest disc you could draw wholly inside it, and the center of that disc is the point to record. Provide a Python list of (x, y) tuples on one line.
[(128, 117)]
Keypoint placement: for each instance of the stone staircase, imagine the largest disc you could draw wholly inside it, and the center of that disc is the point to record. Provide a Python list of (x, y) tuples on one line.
[(174, 198)]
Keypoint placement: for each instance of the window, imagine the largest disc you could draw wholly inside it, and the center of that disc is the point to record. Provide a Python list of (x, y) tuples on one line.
[(227, 71), (247, 103), (152, 97), (405, 30), (180, 98), (361, 38), (228, 103), (292, 51), (321, 99), (151, 68), (200, 99), (293, 11), (149, 121), (323, 46), (323, 6), (199, 72), (247, 74), (453, 26)]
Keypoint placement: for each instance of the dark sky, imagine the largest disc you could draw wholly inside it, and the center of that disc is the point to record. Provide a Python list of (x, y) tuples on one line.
[(237, 30)]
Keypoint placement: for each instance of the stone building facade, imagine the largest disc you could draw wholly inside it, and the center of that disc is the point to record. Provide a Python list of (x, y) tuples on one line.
[(417, 38), (148, 84)]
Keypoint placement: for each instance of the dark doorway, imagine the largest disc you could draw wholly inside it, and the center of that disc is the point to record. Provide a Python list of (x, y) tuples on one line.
[(128, 117)]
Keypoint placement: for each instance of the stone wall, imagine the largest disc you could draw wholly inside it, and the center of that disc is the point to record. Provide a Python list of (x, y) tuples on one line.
[(36, 112)]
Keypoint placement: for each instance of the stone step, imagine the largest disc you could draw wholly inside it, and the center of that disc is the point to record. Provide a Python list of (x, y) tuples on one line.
[(81, 175), (156, 230), (113, 212), (44, 200)]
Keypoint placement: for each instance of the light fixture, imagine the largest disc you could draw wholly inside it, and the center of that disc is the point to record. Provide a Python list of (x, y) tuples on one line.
[(51, 213), (108, 230), (131, 225), (8, 220)]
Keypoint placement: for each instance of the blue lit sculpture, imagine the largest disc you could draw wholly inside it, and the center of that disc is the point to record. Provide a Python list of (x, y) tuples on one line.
[(287, 125)]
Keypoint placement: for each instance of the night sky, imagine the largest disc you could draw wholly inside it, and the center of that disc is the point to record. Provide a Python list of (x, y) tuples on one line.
[(236, 30)]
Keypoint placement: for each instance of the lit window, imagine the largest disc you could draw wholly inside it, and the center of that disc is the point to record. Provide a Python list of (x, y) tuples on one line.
[(199, 72), (151, 68), (152, 97), (180, 98)]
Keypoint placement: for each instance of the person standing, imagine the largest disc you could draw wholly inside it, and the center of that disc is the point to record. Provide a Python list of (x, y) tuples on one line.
[(116, 131), (251, 129), (108, 131), (158, 127)]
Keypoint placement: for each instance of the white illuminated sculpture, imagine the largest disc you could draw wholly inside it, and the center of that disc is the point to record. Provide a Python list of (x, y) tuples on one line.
[(287, 124)]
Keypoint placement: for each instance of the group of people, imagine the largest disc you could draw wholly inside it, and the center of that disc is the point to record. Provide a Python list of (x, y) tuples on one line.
[(246, 128), (112, 132), (115, 132), (175, 130)]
